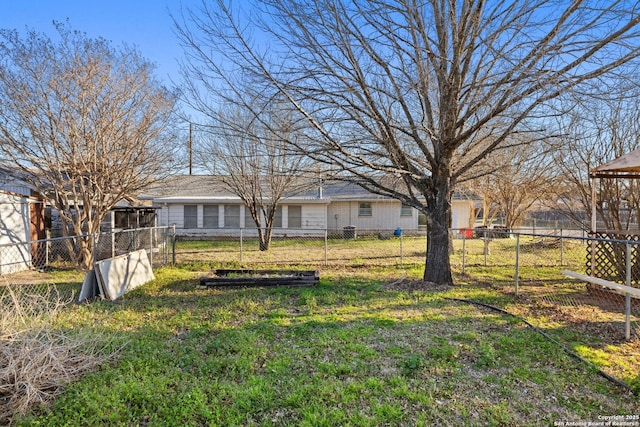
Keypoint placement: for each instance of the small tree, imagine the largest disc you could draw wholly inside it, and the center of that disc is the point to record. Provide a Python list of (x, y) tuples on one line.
[(86, 124), (525, 176), (255, 163)]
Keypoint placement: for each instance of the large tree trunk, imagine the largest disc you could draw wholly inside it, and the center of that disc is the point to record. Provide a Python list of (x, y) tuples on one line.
[(437, 266)]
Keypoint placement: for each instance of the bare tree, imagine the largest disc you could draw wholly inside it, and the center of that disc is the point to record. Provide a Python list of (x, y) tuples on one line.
[(525, 175), (85, 123), (594, 134), (255, 163), (417, 90)]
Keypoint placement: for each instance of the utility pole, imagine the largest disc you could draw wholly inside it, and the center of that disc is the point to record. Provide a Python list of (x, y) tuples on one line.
[(190, 150)]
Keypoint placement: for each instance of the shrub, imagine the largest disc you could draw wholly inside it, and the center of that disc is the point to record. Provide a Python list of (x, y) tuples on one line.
[(36, 359)]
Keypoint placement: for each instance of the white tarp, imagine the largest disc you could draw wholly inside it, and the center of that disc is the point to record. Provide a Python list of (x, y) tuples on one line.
[(90, 287), (117, 276)]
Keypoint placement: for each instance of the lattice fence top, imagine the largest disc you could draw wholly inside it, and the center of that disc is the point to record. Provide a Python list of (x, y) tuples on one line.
[(610, 254)]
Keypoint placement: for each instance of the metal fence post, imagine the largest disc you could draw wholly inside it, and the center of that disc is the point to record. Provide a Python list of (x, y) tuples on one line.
[(151, 245), (173, 244), (241, 245), (464, 250), (486, 248), (47, 247), (401, 250), (561, 248), (627, 305), (326, 247), (517, 263), (95, 248), (165, 245), (113, 243)]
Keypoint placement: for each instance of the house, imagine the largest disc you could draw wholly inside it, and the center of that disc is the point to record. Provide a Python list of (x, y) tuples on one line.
[(201, 205), (22, 224)]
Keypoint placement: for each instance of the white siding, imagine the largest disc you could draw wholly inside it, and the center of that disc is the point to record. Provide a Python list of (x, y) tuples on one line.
[(15, 254), (174, 215), (313, 219), (385, 215), (461, 212)]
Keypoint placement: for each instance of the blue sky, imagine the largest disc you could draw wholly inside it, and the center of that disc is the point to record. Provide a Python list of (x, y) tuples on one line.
[(145, 23)]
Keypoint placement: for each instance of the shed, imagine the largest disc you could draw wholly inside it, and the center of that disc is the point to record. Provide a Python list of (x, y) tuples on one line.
[(22, 224)]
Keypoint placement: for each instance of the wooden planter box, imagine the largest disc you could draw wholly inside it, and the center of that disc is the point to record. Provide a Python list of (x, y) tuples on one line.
[(227, 278)]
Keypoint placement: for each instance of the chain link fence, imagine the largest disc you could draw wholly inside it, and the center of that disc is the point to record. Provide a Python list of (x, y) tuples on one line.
[(38, 279), (526, 267), (53, 267), (540, 272), (348, 247), (553, 282), (522, 273)]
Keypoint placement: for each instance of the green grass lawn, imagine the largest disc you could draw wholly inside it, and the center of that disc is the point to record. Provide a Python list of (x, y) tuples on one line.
[(357, 349)]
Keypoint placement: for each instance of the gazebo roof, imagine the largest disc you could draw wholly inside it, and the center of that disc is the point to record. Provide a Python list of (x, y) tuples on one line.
[(627, 166)]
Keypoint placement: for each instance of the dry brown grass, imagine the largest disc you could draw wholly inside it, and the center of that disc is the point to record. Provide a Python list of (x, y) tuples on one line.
[(37, 360)]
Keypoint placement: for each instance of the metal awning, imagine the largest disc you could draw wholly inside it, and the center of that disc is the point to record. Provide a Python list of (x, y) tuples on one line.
[(627, 166)]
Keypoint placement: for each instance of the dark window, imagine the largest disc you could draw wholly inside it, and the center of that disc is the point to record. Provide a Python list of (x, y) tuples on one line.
[(295, 216), (364, 209), (210, 216), (406, 210), (232, 216), (190, 216), (277, 218), (248, 219)]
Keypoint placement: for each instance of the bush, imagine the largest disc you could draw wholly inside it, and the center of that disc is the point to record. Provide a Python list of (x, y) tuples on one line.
[(36, 360)]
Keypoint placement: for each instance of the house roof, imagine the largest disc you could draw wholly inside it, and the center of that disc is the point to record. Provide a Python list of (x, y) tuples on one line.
[(14, 182), (186, 186), (195, 188), (626, 166), (210, 188)]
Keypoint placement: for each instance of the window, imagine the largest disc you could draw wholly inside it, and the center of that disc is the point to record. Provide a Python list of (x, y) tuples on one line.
[(190, 216), (248, 219), (210, 216), (232, 216), (406, 210), (295, 216), (277, 218), (364, 209)]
